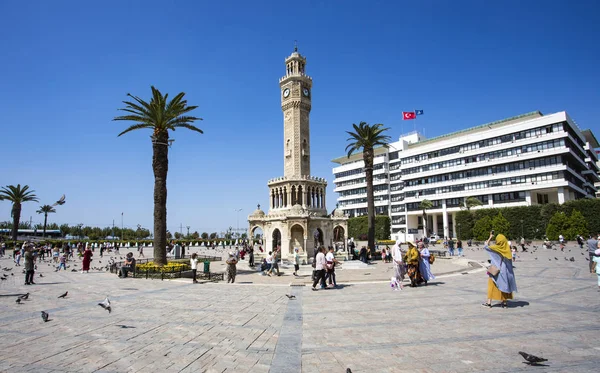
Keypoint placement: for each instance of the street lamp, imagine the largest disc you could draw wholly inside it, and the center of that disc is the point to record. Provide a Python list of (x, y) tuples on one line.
[(458, 224), (139, 227), (79, 230), (188, 229), (237, 231)]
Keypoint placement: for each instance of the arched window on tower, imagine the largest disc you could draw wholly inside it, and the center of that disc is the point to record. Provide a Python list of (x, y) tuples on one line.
[(304, 148)]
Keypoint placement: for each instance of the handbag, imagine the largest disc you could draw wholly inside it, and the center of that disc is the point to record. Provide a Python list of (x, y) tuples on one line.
[(431, 259), (493, 270)]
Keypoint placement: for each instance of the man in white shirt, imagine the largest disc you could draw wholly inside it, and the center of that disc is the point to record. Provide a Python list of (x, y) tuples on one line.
[(319, 269), (400, 272), (330, 263), (269, 260)]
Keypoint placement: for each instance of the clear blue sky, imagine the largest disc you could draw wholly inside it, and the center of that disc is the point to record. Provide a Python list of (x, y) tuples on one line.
[(67, 65)]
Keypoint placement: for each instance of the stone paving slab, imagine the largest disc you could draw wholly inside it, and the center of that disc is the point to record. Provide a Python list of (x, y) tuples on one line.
[(176, 326)]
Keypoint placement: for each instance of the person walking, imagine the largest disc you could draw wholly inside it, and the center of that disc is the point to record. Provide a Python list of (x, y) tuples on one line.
[(296, 261), (141, 251), (29, 266), (596, 261), (194, 265), (592, 245), (62, 263), (412, 261), (523, 249), (399, 268), (459, 247), (319, 269), (87, 259), (451, 246), (231, 268), (251, 255), (424, 263), (501, 276), (330, 263), (269, 262)]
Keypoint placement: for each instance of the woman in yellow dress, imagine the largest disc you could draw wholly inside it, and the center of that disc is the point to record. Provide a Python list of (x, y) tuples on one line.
[(501, 285), (412, 262)]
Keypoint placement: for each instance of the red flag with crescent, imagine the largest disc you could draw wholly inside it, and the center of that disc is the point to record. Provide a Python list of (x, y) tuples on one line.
[(406, 115)]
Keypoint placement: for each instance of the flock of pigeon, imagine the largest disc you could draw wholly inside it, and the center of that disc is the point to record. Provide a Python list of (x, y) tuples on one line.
[(46, 316)]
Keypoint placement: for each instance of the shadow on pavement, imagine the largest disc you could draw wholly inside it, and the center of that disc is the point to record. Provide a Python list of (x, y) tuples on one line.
[(518, 303)]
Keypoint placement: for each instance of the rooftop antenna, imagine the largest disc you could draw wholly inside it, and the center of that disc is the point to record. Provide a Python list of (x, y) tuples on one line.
[(295, 45)]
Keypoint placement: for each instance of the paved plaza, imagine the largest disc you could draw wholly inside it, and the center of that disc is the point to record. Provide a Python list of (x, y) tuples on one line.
[(252, 326)]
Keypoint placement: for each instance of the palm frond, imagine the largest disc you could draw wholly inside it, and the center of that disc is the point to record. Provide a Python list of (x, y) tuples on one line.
[(135, 127)]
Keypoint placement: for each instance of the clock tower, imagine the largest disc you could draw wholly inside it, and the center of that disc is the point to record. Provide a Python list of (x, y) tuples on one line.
[(297, 216), (296, 104)]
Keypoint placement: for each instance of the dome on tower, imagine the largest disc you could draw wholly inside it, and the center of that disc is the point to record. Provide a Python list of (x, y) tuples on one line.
[(258, 212)]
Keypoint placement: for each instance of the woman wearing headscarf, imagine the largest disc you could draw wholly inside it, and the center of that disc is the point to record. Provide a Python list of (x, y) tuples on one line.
[(87, 258), (399, 268), (502, 284), (412, 261), (424, 266)]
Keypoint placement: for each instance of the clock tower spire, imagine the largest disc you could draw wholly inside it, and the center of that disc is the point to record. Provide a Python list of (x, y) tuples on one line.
[(296, 104)]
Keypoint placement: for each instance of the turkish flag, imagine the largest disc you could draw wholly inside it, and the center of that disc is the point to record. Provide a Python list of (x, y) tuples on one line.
[(406, 115)]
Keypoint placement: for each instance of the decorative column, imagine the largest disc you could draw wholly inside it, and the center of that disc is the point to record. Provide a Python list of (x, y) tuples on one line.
[(435, 224), (528, 197), (454, 225), (324, 203), (561, 195)]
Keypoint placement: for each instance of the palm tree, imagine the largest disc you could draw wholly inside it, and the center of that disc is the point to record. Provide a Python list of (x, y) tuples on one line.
[(425, 204), (17, 196), (46, 209), (160, 116), (471, 202), (366, 137)]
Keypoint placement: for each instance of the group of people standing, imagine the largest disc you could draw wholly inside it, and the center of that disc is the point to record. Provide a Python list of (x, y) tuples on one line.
[(416, 263)]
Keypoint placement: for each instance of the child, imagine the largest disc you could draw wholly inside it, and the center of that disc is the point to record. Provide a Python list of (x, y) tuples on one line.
[(63, 263), (296, 261), (514, 253)]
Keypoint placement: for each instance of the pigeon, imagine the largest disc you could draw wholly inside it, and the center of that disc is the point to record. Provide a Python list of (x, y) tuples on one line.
[(41, 275), (290, 296), (73, 270), (45, 316), (348, 370), (63, 295), (24, 296), (105, 304), (125, 326), (555, 258), (572, 259), (18, 300), (587, 259), (61, 201), (532, 359), (3, 278)]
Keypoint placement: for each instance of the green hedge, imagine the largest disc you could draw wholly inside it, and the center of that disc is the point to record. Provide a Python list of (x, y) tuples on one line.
[(530, 221), (359, 227)]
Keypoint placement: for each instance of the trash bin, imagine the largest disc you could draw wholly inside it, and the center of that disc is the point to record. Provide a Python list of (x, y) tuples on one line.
[(206, 266)]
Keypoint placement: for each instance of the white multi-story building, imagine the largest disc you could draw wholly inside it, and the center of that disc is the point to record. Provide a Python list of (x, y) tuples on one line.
[(524, 160)]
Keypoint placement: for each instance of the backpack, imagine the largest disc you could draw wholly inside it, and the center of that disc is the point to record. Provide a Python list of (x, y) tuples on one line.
[(431, 259)]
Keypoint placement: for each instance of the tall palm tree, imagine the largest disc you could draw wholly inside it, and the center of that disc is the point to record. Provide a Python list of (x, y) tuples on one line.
[(46, 209), (17, 196), (159, 115), (366, 137), (471, 202), (425, 205)]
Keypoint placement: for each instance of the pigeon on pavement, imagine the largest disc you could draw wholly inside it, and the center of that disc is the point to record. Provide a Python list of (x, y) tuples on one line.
[(18, 301), (45, 316), (105, 304), (290, 296), (532, 359), (24, 296), (63, 295)]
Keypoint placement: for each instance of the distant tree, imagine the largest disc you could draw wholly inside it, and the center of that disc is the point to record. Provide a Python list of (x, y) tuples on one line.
[(196, 235), (17, 195), (213, 235), (482, 228), (169, 236), (500, 225), (45, 209), (577, 226), (471, 202), (178, 236), (558, 224), (204, 236), (366, 138), (425, 205)]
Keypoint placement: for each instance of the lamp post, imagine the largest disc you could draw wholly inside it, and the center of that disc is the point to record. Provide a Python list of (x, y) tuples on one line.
[(188, 230), (237, 231), (79, 230), (122, 232), (139, 227), (458, 225)]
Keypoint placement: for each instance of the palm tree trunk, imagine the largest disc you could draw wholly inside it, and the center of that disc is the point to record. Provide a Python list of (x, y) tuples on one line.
[(160, 166), (368, 159), (16, 213), (425, 234), (45, 221)]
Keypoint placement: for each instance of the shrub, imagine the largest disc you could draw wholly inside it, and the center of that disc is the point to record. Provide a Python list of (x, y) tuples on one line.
[(577, 226), (482, 228), (500, 225), (358, 227), (559, 223)]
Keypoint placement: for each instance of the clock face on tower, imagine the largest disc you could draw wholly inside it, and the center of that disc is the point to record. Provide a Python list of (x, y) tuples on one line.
[(305, 92), (286, 92)]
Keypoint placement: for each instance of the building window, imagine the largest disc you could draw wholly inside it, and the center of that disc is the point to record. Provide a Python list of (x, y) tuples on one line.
[(542, 199)]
